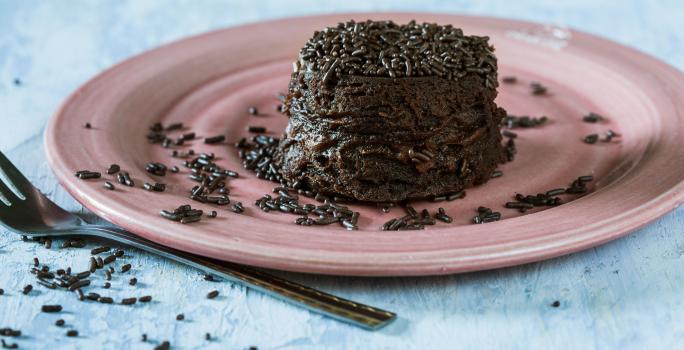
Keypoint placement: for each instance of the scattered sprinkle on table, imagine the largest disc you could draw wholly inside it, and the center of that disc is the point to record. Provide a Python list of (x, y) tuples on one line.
[(165, 345), (129, 301), (9, 332), (6, 345), (99, 250), (27, 289), (213, 294), (51, 308), (105, 300)]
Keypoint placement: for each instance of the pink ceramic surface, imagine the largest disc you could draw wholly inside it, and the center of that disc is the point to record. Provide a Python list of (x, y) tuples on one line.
[(209, 81)]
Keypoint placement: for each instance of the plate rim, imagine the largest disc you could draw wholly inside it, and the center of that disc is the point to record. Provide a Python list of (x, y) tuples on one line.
[(646, 213)]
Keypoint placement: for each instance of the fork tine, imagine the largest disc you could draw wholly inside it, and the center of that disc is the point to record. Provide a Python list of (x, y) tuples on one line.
[(8, 193), (15, 176)]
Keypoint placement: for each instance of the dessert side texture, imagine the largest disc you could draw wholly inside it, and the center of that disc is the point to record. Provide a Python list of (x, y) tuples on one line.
[(385, 112)]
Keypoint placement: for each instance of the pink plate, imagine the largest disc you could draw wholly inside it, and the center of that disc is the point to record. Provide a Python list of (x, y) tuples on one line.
[(209, 81)]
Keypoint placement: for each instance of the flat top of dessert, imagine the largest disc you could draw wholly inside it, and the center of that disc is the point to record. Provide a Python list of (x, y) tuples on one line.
[(387, 49)]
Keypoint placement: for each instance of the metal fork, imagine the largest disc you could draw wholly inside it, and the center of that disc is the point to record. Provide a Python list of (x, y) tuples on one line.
[(25, 210)]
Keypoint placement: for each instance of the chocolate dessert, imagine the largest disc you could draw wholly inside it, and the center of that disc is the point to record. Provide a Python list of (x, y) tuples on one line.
[(385, 112)]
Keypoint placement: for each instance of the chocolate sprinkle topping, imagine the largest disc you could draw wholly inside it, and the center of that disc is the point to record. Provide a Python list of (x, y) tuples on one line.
[(386, 49)]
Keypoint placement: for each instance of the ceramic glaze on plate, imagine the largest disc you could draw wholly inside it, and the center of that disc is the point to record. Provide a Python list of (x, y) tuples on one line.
[(208, 82)]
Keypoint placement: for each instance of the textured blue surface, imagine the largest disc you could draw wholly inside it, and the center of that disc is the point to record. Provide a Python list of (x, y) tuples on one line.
[(626, 294)]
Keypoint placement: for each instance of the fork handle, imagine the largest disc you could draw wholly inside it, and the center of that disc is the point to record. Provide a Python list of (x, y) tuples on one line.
[(345, 310)]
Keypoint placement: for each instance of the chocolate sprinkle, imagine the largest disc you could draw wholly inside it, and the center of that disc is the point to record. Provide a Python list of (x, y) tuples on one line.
[(51, 308), (328, 213), (591, 139), (105, 300), (27, 289), (99, 250), (610, 134), (214, 139), (256, 129), (514, 122), (538, 89), (593, 118), (87, 175), (550, 197), (174, 126), (509, 79), (9, 332), (113, 169), (486, 215)]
